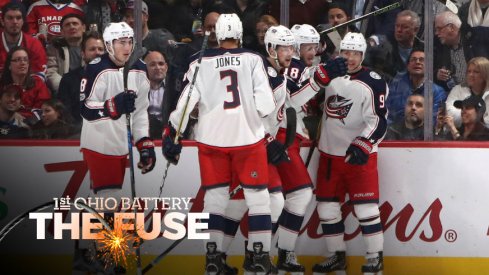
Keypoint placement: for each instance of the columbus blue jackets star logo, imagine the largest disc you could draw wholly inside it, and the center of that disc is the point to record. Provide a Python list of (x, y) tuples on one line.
[(338, 107)]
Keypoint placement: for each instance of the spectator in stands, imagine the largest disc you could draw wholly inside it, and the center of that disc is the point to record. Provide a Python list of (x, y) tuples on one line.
[(337, 14), (265, 22), (450, 53), (476, 83), (13, 15), (11, 121), (381, 24), (153, 40), (92, 46), (406, 28), (249, 11), (301, 11), (411, 126), (472, 128), (475, 26), (35, 91), (100, 13), (405, 84), (159, 99), (50, 13), (64, 54), (417, 6), (55, 122)]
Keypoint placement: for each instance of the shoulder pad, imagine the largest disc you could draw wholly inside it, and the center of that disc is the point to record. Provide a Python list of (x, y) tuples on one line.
[(95, 60)]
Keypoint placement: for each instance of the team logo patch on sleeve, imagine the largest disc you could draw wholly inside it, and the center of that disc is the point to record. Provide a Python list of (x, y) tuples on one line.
[(271, 72), (96, 60), (338, 107), (374, 75)]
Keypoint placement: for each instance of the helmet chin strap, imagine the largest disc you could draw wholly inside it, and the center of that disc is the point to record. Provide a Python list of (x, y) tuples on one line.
[(275, 59)]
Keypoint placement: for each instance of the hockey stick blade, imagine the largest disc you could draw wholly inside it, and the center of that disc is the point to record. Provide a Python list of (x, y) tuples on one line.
[(162, 255), (291, 126), (14, 222)]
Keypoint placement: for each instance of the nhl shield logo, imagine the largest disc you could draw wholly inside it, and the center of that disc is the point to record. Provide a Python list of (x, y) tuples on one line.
[(254, 174), (338, 107)]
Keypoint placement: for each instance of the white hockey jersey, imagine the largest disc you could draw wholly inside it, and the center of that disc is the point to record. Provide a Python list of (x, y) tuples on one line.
[(354, 106), (278, 82), (101, 81), (232, 93), (301, 89)]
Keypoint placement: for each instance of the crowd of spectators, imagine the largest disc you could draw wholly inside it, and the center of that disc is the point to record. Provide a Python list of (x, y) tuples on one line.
[(47, 43)]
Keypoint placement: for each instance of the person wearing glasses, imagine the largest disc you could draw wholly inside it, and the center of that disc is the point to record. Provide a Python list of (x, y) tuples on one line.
[(34, 91), (412, 81), (451, 52)]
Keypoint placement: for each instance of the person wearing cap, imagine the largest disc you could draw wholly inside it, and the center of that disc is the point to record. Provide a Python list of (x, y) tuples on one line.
[(11, 121), (153, 40), (64, 53), (472, 110)]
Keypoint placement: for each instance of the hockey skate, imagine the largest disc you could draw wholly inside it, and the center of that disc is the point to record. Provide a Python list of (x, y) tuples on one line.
[(248, 262), (374, 266), (336, 263), (214, 262), (287, 263), (228, 270), (262, 263)]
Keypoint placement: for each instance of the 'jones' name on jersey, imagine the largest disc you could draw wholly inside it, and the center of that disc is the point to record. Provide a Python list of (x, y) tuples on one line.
[(228, 61)]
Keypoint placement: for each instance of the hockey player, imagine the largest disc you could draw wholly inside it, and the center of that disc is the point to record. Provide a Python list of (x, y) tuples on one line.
[(280, 55), (104, 136), (280, 45), (296, 182), (353, 124), (232, 93)]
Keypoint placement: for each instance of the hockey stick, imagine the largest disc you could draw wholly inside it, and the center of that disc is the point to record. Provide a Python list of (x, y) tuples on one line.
[(180, 124), (163, 254), (13, 223), (377, 12), (125, 75), (314, 142)]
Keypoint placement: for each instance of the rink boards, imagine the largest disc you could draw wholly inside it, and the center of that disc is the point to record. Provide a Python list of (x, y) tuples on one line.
[(434, 207)]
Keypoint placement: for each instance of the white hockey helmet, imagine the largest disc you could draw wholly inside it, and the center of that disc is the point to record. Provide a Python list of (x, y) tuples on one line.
[(278, 36), (229, 26), (116, 31), (354, 41), (304, 34)]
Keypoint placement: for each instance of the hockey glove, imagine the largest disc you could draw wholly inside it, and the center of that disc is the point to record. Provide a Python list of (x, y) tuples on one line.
[(147, 156), (327, 72), (123, 103), (171, 151), (276, 152), (359, 151)]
